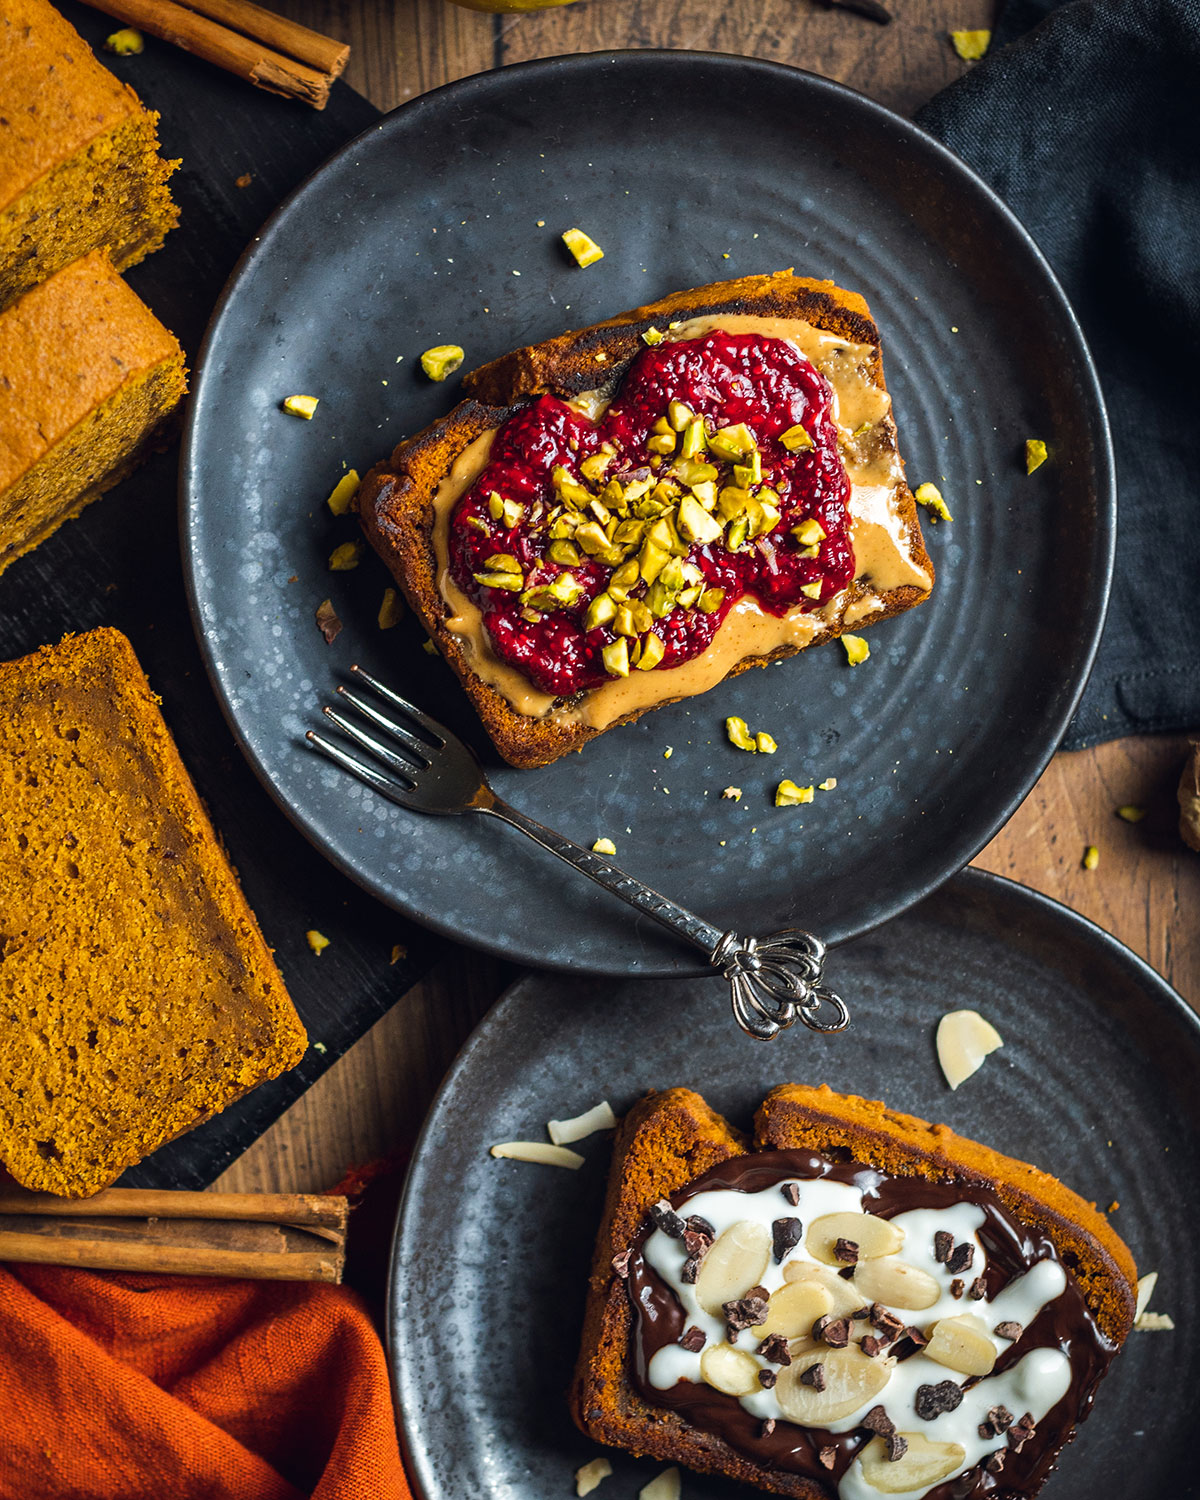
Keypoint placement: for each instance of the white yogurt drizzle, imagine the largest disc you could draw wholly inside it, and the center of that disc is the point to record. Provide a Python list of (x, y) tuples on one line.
[(1035, 1384)]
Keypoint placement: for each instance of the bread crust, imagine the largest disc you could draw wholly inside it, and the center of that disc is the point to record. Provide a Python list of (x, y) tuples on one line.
[(667, 1140), (395, 501)]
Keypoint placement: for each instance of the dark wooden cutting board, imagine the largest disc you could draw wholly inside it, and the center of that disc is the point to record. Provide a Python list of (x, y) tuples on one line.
[(119, 564)]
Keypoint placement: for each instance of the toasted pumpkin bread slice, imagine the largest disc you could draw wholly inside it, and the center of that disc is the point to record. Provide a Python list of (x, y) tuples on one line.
[(670, 1139), (405, 504)]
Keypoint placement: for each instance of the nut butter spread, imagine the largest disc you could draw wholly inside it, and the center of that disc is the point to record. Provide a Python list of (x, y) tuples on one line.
[(879, 1334), (737, 495)]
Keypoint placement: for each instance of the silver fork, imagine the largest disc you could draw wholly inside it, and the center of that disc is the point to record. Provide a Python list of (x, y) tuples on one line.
[(774, 981)]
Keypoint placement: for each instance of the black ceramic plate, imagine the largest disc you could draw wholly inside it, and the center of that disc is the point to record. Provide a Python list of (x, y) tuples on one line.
[(1096, 1082), (442, 224)]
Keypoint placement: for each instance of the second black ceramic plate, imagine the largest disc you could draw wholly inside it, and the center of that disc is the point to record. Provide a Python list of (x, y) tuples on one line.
[(1096, 1083), (442, 224)]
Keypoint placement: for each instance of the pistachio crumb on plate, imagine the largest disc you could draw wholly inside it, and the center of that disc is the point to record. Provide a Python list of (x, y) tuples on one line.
[(343, 492), (1035, 454), (857, 650), (582, 247), (442, 360), (604, 846), (971, 45), (1091, 857), (788, 794), (317, 941), (930, 497), (344, 557), (301, 406)]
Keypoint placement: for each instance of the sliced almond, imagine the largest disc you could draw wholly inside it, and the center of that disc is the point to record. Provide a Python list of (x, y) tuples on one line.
[(963, 1344), (735, 1263), (964, 1039), (590, 1475), (795, 1307), (600, 1117), (664, 1486), (1145, 1290), (871, 1236), (845, 1299), (850, 1381), (895, 1284), (923, 1464), (730, 1370), (541, 1152)]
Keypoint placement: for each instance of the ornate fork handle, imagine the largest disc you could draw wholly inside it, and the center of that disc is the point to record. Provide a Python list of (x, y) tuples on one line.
[(773, 981)]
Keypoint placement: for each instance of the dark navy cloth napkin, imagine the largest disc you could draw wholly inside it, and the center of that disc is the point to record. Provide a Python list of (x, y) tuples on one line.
[(1085, 118)]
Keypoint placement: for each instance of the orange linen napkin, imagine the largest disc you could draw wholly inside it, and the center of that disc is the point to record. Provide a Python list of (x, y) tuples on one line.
[(123, 1387)]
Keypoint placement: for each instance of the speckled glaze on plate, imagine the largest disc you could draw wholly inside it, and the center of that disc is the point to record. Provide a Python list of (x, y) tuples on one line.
[(1096, 1082), (442, 224)]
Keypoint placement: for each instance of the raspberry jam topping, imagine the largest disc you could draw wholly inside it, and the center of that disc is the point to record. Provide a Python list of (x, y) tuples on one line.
[(594, 549)]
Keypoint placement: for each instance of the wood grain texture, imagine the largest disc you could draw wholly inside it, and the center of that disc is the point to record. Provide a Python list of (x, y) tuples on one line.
[(1146, 889)]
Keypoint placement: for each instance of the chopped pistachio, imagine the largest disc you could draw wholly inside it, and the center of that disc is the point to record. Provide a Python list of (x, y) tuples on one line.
[(813, 551), (796, 439), (652, 559), (582, 247), (765, 743), (809, 532), (732, 443), (345, 557), (1130, 813), (662, 425), (668, 752), (663, 442), (391, 610), (694, 471), (495, 505), (623, 622), (301, 406), (513, 583), (429, 647), (857, 650), (604, 846), (563, 552), (343, 492), (625, 577), (690, 595), (503, 562), (739, 735), (652, 336), (600, 611), (970, 45), (750, 473), (732, 501), (442, 360), (695, 439), (732, 794), (125, 43), (680, 415), (811, 590), (930, 497), (593, 468), (788, 794), (695, 524), (828, 784), (706, 493), (736, 534), (478, 524), (327, 621), (616, 658), (636, 488), (564, 589), (317, 941), (711, 600), (653, 652), (399, 951), (1035, 454), (1091, 857)]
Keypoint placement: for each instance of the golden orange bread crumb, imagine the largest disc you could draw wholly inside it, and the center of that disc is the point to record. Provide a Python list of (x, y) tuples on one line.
[(79, 163), (668, 1139), (89, 382), (139, 997)]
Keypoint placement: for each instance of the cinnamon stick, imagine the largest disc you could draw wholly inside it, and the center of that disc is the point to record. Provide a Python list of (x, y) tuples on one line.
[(265, 49), (263, 1236)]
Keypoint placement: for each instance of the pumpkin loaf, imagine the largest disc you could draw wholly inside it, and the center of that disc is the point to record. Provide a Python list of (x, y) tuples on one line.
[(79, 162), (853, 1303), (137, 996), (627, 514), (89, 383)]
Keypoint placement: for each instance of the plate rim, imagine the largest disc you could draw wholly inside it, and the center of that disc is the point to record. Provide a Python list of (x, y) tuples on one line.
[(994, 888), (190, 489)]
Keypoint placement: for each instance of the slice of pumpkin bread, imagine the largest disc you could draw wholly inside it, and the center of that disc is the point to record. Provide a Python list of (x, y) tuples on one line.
[(137, 996), (79, 162), (89, 383)]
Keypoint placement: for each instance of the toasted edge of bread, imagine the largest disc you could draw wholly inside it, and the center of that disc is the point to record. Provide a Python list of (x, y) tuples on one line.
[(395, 501), (669, 1139)]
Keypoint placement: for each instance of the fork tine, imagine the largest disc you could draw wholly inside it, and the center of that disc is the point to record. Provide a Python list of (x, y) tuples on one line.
[(431, 726), (368, 773), (420, 750), (404, 768)]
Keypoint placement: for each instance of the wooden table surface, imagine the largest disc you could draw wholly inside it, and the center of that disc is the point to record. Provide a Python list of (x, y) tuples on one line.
[(1146, 889)]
